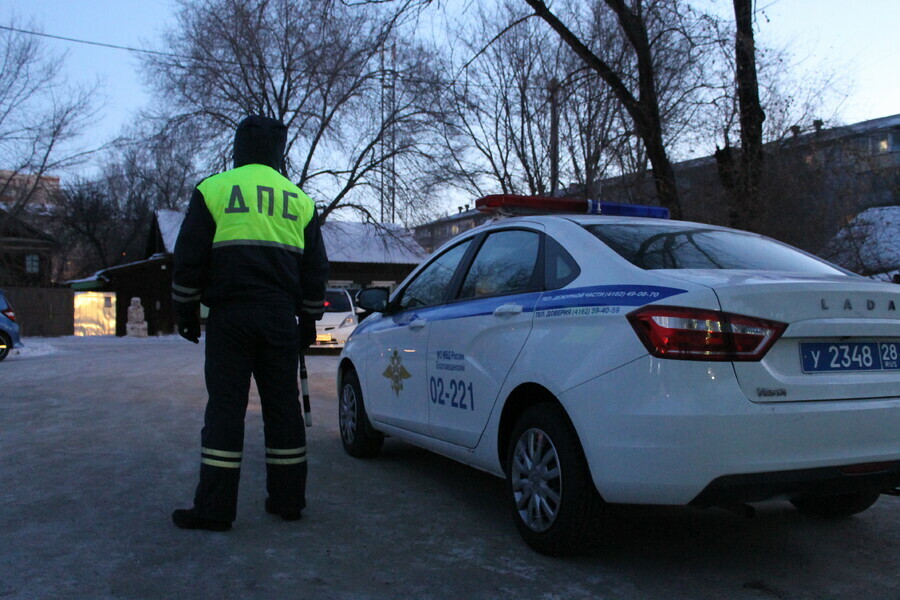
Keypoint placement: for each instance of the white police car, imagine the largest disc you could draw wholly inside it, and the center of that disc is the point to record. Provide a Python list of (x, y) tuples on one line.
[(593, 360)]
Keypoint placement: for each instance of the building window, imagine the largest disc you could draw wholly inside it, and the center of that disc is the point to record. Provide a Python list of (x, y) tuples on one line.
[(862, 145), (32, 264)]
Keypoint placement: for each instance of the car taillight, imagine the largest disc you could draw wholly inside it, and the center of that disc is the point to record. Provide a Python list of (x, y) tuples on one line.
[(9, 313), (698, 334)]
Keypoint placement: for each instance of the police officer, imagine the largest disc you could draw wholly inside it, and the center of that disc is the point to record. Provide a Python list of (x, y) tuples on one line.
[(250, 248)]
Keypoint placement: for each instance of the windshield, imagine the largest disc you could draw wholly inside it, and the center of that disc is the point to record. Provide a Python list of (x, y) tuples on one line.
[(672, 247), (337, 302)]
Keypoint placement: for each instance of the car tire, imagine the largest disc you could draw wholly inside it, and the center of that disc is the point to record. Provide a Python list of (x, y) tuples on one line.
[(552, 496), (5, 345), (835, 506), (357, 434)]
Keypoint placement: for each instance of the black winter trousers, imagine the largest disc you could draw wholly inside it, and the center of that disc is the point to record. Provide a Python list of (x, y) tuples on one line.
[(244, 341)]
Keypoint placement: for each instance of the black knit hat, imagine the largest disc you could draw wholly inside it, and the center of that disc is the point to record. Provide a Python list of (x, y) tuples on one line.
[(260, 140)]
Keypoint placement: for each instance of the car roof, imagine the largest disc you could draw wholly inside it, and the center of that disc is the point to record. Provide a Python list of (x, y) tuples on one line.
[(568, 220), (585, 220)]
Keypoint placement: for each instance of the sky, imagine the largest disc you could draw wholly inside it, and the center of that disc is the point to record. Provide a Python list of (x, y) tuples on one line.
[(859, 38)]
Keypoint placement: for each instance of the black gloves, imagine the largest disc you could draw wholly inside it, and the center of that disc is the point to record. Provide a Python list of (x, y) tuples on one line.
[(189, 326), (306, 333)]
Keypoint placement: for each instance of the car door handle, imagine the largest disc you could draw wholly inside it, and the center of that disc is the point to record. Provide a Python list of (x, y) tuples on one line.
[(417, 323), (508, 309)]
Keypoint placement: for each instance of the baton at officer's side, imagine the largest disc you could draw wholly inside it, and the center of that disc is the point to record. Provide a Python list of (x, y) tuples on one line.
[(304, 386)]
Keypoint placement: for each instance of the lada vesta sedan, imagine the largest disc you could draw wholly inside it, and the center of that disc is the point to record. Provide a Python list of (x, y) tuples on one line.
[(592, 360)]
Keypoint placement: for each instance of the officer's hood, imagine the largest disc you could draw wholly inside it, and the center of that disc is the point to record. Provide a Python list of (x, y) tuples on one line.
[(260, 140)]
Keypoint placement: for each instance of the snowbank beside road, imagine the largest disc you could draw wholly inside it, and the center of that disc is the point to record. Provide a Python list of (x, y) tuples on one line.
[(42, 346), (33, 347)]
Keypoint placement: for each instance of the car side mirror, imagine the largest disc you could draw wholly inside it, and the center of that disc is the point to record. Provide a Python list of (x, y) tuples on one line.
[(372, 299)]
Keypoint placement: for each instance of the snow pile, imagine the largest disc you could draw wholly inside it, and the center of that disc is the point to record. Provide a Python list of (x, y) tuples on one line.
[(869, 245), (32, 348)]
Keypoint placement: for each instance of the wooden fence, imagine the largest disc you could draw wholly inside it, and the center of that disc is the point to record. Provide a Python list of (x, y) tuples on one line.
[(43, 312)]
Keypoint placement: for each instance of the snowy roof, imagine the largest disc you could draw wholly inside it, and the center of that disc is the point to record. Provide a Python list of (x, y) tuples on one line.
[(870, 244), (369, 243), (169, 225), (874, 124), (344, 241)]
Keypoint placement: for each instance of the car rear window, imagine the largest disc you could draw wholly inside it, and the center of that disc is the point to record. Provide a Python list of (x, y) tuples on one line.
[(337, 302), (672, 247)]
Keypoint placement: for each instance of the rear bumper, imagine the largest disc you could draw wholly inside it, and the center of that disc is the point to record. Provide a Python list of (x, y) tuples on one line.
[(755, 487), (680, 432), (14, 336)]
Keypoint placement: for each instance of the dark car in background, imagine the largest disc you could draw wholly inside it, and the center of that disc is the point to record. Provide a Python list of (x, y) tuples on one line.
[(9, 329)]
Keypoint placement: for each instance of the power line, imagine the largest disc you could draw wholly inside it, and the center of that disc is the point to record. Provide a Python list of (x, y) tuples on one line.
[(89, 42), (451, 83)]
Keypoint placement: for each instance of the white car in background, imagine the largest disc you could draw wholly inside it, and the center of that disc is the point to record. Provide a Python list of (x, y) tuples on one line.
[(339, 320), (592, 360)]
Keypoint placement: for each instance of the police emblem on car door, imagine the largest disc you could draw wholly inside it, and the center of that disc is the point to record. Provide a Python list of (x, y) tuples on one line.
[(399, 390), (396, 372)]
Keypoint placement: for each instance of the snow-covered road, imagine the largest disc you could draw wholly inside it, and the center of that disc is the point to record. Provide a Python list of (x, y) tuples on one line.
[(99, 442)]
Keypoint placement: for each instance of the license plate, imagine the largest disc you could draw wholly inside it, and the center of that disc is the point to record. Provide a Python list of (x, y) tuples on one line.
[(824, 357), (323, 337)]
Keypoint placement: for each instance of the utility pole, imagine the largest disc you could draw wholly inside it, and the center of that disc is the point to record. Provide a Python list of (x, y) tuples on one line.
[(393, 133), (388, 143), (554, 135), (381, 144)]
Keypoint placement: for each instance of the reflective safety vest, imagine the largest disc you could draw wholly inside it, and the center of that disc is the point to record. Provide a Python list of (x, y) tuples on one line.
[(254, 205)]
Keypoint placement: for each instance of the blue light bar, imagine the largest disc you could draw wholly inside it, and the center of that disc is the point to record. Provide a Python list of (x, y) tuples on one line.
[(616, 209)]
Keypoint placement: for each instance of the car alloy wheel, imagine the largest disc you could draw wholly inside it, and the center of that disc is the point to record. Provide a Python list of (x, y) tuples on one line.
[(536, 480), (551, 494), (357, 435), (348, 414)]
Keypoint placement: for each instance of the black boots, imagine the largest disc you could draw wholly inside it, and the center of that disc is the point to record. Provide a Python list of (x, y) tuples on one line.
[(188, 519), (288, 515)]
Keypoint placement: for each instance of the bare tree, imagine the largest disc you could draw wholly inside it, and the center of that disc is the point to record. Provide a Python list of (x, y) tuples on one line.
[(641, 100), (40, 118), (157, 161), (103, 222), (499, 136), (320, 66), (754, 94), (517, 78), (90, 219), (741, 175)]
